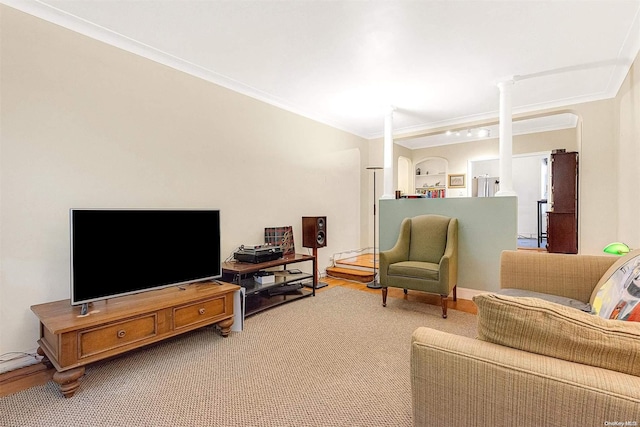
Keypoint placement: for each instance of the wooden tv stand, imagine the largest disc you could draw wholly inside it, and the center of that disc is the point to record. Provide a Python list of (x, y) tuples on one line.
[(69, 341)]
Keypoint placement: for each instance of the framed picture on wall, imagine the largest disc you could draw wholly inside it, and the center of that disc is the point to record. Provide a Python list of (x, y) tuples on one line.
[(456, 180)]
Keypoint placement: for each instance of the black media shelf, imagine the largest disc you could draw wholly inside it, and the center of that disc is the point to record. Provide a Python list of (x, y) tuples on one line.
[(287, 287)]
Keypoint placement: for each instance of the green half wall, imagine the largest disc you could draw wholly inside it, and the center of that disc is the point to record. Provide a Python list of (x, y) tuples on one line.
[(486, 227)]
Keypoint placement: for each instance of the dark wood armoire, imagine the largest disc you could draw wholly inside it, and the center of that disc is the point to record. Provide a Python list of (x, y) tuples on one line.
[(562, 217)]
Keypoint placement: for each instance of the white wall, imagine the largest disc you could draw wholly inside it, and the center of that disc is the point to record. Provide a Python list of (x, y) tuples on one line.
[(484, 167), (527, 183), (88, 125), (404, 175)]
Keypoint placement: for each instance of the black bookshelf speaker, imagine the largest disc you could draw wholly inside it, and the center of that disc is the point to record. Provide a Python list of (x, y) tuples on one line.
[(314, 231)]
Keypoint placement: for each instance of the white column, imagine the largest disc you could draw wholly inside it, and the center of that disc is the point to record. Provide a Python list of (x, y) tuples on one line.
[(388, 192), (506, 140)]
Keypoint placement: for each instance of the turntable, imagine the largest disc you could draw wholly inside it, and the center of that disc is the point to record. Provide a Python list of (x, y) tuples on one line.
[(258, 253)]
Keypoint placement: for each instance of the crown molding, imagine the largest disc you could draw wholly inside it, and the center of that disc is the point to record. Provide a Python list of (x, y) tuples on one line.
[(476, 120), (81, 26), (41, 10)]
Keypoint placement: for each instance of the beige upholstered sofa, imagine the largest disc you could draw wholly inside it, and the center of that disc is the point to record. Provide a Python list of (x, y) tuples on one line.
[(461, 381)]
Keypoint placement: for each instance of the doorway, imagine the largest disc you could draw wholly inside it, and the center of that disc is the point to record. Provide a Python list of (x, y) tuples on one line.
[(531, 184)]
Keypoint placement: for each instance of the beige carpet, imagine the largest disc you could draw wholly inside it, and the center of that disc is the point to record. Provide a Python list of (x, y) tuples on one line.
[(337, 359)]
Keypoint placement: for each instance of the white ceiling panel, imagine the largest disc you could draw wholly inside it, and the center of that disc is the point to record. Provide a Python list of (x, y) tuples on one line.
[(345, 62)]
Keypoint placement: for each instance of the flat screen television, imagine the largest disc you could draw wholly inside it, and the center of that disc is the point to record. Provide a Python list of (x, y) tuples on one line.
[(116, 252)]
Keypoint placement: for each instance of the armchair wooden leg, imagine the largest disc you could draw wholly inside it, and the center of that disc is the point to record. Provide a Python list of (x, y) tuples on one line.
[(455, 293), (384, 297), (443, 299)]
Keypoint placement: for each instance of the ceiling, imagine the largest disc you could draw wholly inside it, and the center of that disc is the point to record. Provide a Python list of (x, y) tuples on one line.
[(344, 63)]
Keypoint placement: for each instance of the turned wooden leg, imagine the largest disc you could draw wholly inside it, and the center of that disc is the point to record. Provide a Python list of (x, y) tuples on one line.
[(68, 380), (444, 299), (225, 327), (455, 293), (384, 297), (45, 360)]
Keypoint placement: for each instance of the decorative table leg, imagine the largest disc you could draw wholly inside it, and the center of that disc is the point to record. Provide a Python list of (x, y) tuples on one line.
[(68, 380), (225, 327), (45, 360)]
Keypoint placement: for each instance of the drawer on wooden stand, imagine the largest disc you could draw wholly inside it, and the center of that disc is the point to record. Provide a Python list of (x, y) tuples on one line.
[(109, 337), (203, 311)]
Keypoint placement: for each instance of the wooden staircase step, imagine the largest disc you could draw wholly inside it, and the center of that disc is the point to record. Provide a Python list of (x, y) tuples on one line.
[(350, 274), (361, 261)]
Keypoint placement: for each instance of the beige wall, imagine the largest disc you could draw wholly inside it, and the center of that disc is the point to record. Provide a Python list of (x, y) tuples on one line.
[(84, 124), (627, 106)]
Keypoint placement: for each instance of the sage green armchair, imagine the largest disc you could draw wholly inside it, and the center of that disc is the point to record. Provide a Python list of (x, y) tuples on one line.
[(425, 258)]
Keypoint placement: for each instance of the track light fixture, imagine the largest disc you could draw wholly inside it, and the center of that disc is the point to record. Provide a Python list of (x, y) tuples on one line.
[(480, 133)]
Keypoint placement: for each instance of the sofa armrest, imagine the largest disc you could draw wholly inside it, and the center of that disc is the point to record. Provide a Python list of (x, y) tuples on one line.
[(571, 276), (484, 384)]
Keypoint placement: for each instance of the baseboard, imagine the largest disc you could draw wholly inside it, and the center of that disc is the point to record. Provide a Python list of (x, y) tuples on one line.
[(468, 293), (29, 358), (23, 378)]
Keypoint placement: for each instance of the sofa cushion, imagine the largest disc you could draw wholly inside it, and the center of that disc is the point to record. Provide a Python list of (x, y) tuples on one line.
[(569, 302), (416, 269), (617, 294), (550, 329)]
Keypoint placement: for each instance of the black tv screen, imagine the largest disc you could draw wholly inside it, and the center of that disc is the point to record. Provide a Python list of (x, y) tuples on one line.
[(116, 252)]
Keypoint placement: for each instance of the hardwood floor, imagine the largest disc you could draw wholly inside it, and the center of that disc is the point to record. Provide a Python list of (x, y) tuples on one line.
[(30, 376), (462, 304)]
